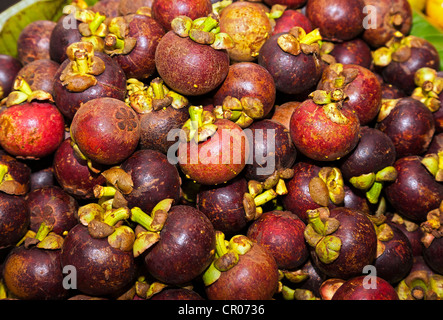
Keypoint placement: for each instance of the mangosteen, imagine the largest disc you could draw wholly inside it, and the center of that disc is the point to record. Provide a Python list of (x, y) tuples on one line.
[(292, 59), (401, 57), (185, 248), (281, 232), (323, 128), (10, 66), (248, 25), (53, 206), (242, 270), (360, 86), (132, 41), (165, 11), (342, 241), (15, 176), (40, 74), (354, 51), (386, 18), (224, 206), (215, 151), (289, 19), (246, 80), (415, 192), (161, 110), (370, 164), (191, 44), (358, 288), (337, 20), (14, 217), (273, 150), (432, 239), (33, 41), (87, 75), (105, 130), (408, 123), (73, 174)]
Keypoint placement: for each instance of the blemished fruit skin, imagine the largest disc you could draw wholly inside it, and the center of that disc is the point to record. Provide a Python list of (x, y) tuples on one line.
[(31, 130)]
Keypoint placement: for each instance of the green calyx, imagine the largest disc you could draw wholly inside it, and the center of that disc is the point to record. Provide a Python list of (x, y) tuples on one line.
[(227, 255), (152, 225), (44, 238), (329, 185), (331, 103), (117, 41), (93, 29), (22, 92), (260, 193), (297, 41), (319, 235), (420, 285), (434, 164), (337, 77), (242, 111), (397, 49), (204, 30), (80, 73), (156, 96), (200, 125), (429, 87), (372, 182)]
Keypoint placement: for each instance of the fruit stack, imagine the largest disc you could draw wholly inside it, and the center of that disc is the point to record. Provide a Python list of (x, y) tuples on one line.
[(222, 150)]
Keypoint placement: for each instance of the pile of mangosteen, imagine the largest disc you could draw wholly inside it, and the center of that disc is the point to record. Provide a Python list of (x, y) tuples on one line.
[(198, 149)]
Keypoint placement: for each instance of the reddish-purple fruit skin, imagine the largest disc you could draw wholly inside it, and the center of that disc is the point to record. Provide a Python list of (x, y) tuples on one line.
[(337, 20), (52, 206), (318, 137), (140, 62), (291, 4), (101, 274), (255, 277), (292, 18), (358, 244), (62, 37), (40, 74), (111, 84), (281, 232), (410, 125), (31, 130), (10, 66), (395, 263), (177, 294), (415, 192), (354, 51), (401, 74), (188, 67), (154, 179), (354, 289), (363, 93), (269, 138), (164, 11), (186, 247), (73, 174), (106, 130), (248, 79), (433, 255), (34, 274), (33, 42), (382, 27), (374, 152), (293, 74), (14, 218), (298, 199), (223, 205), (218, 159)]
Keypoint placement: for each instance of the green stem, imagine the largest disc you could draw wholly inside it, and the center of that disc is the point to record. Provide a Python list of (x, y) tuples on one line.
[(315, 221), (264, 197), (157, 88), (220, 245), (143, 219), (104, 191), (116, 215), (209, 24), (43, 231), (96, 22)]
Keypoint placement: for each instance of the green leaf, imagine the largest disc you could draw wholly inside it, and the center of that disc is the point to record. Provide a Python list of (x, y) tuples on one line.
[(17, 17), (422, 28)]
